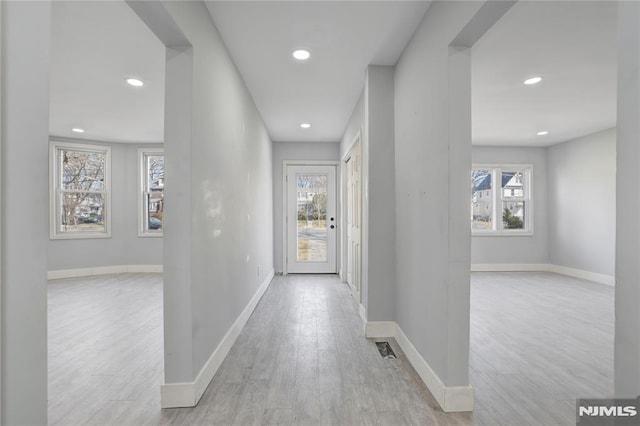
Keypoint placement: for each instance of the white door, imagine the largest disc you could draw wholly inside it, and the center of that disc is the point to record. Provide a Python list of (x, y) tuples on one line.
[(311, 219), (354, 219)]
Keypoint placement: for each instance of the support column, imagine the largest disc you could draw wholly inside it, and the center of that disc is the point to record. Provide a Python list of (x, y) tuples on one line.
[(26, 29), (627, 327)]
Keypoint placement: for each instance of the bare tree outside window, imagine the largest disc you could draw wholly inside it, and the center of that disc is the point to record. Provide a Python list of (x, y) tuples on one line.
[(80, 190), (152, 204)]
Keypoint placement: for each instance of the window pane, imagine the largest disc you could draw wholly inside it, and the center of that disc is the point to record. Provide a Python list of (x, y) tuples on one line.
[(154, 192), (481, 200), (512, 184), (82, 170), (312, 217), (513, 215), (81, 212)]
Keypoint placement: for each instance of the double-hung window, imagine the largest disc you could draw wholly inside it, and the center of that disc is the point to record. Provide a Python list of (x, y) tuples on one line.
[(501, 202), (151, 199), (80, 191)]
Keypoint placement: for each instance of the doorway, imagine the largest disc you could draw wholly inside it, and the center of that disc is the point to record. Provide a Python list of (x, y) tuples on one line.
[(310, 218)]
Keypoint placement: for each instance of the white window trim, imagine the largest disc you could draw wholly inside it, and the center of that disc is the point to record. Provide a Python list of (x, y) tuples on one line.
[(142, 170), (498, 200), (53, 190)]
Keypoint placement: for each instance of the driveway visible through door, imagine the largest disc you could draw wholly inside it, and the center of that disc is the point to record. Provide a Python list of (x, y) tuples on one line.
[(311, 219)]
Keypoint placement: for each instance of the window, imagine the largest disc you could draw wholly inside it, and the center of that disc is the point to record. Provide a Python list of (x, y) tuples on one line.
[(507, 211), (151, 192), (80, 191)]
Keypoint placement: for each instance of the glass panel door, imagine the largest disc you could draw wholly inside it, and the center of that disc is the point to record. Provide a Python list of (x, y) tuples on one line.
[(311, 219)]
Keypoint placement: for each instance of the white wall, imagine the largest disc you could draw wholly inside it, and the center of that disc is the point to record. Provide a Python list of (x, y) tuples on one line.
[(627, 338), (218, 150), (124, 247), (490, 249), (582, 203), (373, 117), (432, 222), (378, 241), (308, 151), (25, 130)]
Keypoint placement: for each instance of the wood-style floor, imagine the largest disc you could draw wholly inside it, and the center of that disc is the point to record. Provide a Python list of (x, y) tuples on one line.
[(538, 342)]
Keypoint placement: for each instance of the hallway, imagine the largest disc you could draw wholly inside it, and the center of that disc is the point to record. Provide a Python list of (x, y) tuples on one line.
[(302, 359)]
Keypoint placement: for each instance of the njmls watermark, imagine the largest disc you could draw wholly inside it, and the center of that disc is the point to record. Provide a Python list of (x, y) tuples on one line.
[(600, 412)]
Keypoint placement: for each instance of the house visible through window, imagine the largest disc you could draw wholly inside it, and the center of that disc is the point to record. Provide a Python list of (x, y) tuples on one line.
[(80, 190), (505, 211), (152, 191)]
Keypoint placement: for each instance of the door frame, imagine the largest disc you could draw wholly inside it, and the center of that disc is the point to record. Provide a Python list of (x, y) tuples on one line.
[(285, 240), (356, 143)]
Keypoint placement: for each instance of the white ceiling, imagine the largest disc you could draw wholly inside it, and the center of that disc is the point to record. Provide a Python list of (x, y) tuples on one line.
[(572, 44), (94, 46), (343, 37)]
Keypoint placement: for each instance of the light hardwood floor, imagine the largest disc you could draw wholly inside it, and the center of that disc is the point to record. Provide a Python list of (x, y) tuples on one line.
[(538, 342), (302, 358)]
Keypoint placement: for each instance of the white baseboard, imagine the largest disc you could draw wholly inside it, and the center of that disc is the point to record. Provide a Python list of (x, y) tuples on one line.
[(544, 267), (375, 329), (174, 395), (509, 267), (585, 275), (103, 270), (450, 398)]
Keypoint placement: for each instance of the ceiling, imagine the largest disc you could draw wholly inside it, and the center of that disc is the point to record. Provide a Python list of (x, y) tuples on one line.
[(343, 38), (96, 44), (572, 45)]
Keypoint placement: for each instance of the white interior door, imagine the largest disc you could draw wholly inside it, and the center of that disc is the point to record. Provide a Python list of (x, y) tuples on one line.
[(311, 220), (354, 219)]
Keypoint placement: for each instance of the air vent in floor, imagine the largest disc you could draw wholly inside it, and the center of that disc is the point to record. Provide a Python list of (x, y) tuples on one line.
[(385, 350)]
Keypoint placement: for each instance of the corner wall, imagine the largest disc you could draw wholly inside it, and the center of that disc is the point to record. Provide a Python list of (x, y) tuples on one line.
[(582, 203), (373, 116), (432, 162), (218, 246)]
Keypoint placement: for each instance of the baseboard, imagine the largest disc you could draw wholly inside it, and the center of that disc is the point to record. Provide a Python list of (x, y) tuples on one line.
[(175, 395), (450, 398), (544, 267), (103, 270), (584, 275), (375, 329), (509, 267)]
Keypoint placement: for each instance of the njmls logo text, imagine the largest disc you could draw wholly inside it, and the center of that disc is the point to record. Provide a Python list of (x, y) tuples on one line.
[(608, 411)]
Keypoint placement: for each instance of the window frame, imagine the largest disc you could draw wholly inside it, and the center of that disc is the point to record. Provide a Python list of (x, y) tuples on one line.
[(499, 199), (143, 230), (55, 188)]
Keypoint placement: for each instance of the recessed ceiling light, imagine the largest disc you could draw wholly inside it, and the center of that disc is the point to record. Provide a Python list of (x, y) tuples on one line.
[(135, 82), (533, 80), (301, 54), (77, 130), (305, 125), (542, 133)]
